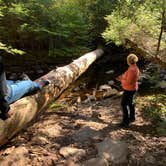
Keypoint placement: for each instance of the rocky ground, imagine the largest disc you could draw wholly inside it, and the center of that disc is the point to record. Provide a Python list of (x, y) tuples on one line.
[(85, 133)]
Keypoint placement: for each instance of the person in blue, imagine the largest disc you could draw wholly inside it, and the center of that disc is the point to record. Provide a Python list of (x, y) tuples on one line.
[(11, 91)]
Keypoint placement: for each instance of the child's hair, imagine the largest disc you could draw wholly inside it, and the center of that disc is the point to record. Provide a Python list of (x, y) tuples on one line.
[(132, 59)]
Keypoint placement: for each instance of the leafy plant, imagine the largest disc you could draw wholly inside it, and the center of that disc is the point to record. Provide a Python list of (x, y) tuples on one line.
[(55, 105), (156, 111), (156, 108), (11, 50), (161, 128)]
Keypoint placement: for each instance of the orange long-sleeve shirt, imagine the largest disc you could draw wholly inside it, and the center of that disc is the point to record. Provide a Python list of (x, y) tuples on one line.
[(130, 78)]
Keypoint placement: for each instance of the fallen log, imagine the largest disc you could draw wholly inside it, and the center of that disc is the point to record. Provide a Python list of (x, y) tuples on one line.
[(25, 109)]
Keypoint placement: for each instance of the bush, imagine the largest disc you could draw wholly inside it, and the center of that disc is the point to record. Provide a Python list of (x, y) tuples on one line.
[(156, 108), (156, 111)]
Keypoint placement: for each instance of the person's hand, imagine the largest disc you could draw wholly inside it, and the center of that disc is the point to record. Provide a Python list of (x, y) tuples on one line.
[(119, 78)]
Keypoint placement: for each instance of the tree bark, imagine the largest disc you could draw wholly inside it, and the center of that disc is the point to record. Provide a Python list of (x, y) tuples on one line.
[(161, 32), (26, 109)]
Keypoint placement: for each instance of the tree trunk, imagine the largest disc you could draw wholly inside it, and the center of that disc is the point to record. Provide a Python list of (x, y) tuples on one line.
[(25, 109), (161, 32)]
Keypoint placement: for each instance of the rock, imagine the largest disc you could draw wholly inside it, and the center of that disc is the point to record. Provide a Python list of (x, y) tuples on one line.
[(86, 101), (53, 131), (85, 134), (114, 151), (110, 93), (90, 97), (20, 151), (71, 151), (111, 82), (97, 162), (104, 87), (8, 150), (78, 99), (109, 72), (18, 157), (70, 163)]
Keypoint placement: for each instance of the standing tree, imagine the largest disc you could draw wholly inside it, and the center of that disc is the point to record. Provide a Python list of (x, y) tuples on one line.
[(163, 25)]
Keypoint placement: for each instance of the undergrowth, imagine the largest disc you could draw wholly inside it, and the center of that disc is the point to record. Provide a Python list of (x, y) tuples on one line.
[(155, 110)]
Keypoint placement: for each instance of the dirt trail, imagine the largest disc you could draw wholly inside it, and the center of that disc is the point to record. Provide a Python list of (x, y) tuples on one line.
[(83, 128)]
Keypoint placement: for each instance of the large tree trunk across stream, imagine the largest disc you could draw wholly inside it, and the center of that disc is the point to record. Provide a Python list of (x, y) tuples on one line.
[(28, 107)]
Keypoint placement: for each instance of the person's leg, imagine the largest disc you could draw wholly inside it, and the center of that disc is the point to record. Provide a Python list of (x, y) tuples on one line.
[(10, 82), (124, 103), (3, 85), (131, 106), (4, 91), (20, 88)]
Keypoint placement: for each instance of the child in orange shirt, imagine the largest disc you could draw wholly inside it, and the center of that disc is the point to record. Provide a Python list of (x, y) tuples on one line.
[(130, 85)]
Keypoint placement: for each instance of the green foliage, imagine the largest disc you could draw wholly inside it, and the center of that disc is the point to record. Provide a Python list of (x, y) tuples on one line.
[(11, 50), (71, 27), (161, 128), (19, 10), (55, 106), (63, 27), (1, 12), (96, 11), (148, 18), (154, 75), (117, 30), (130, 17), (156, 108)]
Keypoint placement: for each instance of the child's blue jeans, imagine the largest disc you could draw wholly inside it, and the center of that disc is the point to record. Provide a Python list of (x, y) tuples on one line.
[(18, 89)]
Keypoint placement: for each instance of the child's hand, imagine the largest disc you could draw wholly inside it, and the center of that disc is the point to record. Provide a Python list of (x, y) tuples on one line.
[(119, 78)]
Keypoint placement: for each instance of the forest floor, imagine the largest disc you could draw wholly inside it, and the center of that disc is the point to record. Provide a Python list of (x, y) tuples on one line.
[(75, 133)]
